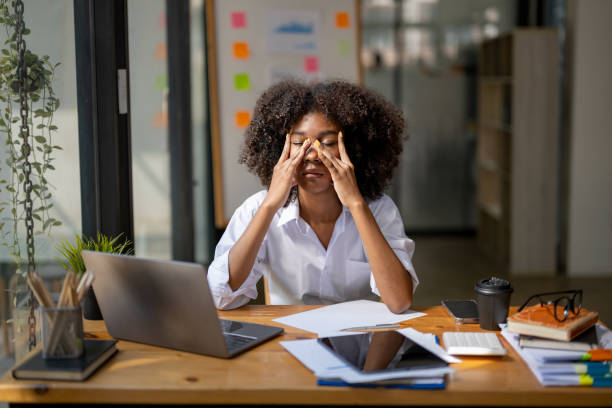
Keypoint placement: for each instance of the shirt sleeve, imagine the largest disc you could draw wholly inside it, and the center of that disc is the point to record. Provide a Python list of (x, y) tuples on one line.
[(392, 227), (218, 271)]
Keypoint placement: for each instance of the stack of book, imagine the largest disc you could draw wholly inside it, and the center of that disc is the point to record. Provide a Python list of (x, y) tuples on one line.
[(574, 352)]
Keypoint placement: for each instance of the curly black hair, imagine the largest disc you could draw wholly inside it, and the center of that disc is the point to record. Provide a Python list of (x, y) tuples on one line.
[(373, 129)]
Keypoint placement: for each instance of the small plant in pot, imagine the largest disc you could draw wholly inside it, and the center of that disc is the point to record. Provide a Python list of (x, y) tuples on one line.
[(71, 259)]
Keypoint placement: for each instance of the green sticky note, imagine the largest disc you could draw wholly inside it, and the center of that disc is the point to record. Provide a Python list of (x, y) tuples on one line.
[(161, 82), (345, 48), (241, 82)]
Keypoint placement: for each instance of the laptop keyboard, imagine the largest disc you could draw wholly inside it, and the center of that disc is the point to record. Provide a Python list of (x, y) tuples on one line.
[(236, 341), (232, 340)]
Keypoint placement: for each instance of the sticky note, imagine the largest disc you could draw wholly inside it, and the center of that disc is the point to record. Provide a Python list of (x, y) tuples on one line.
[(238, 19), (243, 118), (161, 20), (345, 48), (160, 51), (242, 82), (311, 64), (161, 82), (160, 120), (241, 50), (342, 20)]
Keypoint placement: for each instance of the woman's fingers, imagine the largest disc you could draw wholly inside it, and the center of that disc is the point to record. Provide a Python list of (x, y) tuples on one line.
[(327, 160), (286, 149), (343, 155), (297, 159)]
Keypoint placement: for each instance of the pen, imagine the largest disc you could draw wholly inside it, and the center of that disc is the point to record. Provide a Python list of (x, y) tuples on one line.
[(373, 327)]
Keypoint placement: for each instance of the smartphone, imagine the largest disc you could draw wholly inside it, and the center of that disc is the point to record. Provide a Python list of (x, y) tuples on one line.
[(464, 311)]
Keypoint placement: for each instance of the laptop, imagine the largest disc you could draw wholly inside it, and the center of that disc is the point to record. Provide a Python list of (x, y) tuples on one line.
[(167, 304)]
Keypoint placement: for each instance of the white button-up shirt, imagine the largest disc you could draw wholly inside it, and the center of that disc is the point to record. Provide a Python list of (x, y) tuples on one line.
[(298, 268)]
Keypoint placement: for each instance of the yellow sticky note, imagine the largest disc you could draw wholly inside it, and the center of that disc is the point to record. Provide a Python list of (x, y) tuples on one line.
[(241, 50), (342, 20), (242, 118)]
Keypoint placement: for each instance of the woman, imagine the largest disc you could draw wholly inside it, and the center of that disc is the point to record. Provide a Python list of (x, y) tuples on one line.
[(323, 231)]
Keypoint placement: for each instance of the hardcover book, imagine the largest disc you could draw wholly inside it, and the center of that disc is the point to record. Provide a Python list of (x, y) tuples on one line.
[(583, 342), (95, 353), (540, 321)]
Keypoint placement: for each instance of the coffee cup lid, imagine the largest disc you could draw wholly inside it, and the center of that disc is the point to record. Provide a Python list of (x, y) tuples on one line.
[(493, 286)]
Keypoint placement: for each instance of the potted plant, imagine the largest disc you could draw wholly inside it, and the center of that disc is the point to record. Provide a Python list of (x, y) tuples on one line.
[(71, 259), (27, 132)]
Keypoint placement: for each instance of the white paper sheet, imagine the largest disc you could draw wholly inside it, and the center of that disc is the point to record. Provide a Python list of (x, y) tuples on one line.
[(325, 364), (330, 320)]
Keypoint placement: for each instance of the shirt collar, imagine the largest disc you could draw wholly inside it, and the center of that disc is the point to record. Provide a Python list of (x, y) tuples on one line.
[(292, 213), (289, 213)]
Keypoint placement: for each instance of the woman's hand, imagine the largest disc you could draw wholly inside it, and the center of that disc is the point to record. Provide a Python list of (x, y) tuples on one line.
[(343, 174), (283, 177)]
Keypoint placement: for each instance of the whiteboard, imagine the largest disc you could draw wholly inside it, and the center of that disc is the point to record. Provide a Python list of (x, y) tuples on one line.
[(253, 44)]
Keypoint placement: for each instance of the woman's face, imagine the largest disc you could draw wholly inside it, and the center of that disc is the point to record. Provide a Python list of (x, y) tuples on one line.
[(312, 175)]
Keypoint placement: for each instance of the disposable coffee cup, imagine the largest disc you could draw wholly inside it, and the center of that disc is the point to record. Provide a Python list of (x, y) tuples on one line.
[(493, 296)]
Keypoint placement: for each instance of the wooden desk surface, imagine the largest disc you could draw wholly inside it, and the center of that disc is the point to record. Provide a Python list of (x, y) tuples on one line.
[(270, 375)]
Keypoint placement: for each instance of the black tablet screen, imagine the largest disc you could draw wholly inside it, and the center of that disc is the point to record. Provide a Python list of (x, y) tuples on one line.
[(381, 351)]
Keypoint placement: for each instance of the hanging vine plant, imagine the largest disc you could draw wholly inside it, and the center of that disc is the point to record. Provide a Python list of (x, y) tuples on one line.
[(27, 132)]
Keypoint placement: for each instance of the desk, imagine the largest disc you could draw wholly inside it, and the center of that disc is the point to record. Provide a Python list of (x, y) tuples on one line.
[(270, 375)]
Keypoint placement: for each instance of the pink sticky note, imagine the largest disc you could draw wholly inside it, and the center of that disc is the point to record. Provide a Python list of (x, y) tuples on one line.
[(161, 20), (311, 64), (238, 19)]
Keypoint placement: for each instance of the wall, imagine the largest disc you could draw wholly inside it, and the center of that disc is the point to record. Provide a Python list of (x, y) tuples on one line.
[(589, 246)]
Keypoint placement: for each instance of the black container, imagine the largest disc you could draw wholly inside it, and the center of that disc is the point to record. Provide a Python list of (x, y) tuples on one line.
[(91, 310), (493, 295)]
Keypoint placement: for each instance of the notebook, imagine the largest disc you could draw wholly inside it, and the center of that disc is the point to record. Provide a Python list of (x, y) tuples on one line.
[(95, 353), (168, 304)]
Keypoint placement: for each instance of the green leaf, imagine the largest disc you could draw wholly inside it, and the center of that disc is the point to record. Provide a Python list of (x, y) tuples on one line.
[(47, 223), (52, 127), (40, 139), (40, 126), (58, 147)]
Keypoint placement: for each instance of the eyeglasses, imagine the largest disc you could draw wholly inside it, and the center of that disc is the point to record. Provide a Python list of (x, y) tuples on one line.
[(563, 305)]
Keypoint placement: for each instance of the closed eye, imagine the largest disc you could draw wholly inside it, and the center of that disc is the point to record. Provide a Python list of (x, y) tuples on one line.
[(328, 144), (297, 143)]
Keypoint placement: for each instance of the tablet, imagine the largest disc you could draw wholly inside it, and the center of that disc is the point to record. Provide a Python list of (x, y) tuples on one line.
[(381, 351)]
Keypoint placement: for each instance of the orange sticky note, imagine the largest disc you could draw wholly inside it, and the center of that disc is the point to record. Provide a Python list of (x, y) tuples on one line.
[(161, 51), (241, 50), (243, 118), (342, 20)]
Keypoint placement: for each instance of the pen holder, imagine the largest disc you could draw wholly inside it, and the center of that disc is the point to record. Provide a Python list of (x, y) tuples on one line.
[(62, 332)]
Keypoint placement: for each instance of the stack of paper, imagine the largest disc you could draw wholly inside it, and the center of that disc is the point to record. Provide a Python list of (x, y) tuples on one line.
[(334, 319), (564, 367), (332, 370)]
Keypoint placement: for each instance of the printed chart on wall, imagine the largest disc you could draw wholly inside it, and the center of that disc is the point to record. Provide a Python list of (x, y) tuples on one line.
[(254, 44)]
